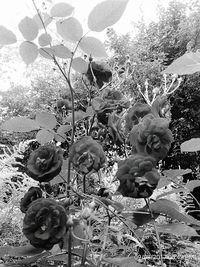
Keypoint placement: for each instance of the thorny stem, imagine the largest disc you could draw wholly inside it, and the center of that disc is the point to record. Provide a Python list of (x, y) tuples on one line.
[(156, 230)]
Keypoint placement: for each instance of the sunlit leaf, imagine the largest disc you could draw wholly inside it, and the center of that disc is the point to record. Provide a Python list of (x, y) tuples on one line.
[(192, 184), (29, 29), (189, 63), (70, 29), (90, 111), (20, 124), (44, 39), (178, 229), (44, 136), (80, 65), (46, 120), (191, 145), (79, 115), (46, 52), (173, 191), (45, 18), (6, 36), (93, 46), (173, 173), (61, 10), (61, 133), (28, 51), (106, 14), (61, 51)]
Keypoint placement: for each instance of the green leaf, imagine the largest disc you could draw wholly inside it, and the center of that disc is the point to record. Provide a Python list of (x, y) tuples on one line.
[(124, 261), (7, 37), (61, 10), (178, 229), (174, 191), (61, 133), (164, 181), (93, 46), (191, 145), (44, 136), (167, 207), (142, 216), (61, 51), (46, 52), (28, 51), (192, 184), (44, 39), (189, 63), (105, 14), (80, 65), (90, 111), (27, 250), (79, 115), (20, 124), (70, 29), (46, 19), (28, 28), (46, 120), (173, 173)]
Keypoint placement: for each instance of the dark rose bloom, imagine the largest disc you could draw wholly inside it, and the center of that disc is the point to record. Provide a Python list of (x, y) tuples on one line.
[(45, 163), (87, 155), (138, 176), (134, 114), (32, 194), (45, 223), (101, 73), (151, 137), (161, 107)]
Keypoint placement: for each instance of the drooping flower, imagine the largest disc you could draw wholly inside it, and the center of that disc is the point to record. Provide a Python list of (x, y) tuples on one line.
[(87, 155), (45, 163), (151, 136), (138, 176), (45, 223), (32, 194)]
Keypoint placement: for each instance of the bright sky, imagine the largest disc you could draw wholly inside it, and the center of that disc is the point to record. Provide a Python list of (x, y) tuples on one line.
[(12, 11)]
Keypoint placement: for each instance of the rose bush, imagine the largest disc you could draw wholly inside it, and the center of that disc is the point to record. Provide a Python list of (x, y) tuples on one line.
[(87, 155), (151, 136), (137, 176), (45, 163), (32, 194), (45, 223)]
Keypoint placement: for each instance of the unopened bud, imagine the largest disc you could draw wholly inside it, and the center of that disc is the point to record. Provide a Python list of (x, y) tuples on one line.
[(86, 213), (70, 221)]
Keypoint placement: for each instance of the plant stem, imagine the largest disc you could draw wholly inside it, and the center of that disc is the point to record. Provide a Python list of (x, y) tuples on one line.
[(156, 230)]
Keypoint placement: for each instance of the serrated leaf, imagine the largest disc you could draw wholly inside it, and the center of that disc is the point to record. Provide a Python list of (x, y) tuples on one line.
[(105, 14), (192, 184), (28, 51), (178, 229), (20, 124), (174, 191), (7, 37), (189, 63), (44, 136), (61, 51), (44, 39), (191, 145), (70, 29), (46, 120), (167, 207), (28, 28), (173, 173), (61, 10), (93, 46), (46, 20), (61, 133), (80, 65)]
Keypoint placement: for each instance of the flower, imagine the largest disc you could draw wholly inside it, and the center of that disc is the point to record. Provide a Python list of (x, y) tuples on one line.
[(32, 194), (151, 137), (45, 163), (138, 176), (45, 223), (87, 155), (134, 114), (100, 71)]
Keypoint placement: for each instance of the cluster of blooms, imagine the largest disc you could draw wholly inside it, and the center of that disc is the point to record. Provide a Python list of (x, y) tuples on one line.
[(150, 138), (46, 221)]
